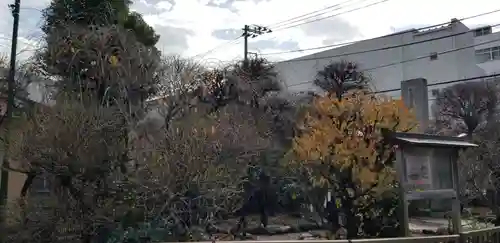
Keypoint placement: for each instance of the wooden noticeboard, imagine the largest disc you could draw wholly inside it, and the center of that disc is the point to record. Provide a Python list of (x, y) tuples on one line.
[(418, 170)]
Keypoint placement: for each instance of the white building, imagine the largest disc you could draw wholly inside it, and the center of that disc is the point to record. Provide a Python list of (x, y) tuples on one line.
[(488, 54), (446, 53), (437, 54)]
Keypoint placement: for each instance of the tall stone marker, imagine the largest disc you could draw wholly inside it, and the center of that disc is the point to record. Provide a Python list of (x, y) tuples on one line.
[(415, 95)]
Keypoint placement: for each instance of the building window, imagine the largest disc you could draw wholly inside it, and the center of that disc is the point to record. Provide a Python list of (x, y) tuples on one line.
[(434, 56), (40, 184), (482, 31), (488, 54)]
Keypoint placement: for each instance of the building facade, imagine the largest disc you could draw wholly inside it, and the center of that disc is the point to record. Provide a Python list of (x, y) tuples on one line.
[(408, 65), (487, 50), (439, 54)]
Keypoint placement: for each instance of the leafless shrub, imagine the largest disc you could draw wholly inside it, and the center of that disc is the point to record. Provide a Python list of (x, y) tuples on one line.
[(79, 150), (191, 176), (189, 173), (188, 168)]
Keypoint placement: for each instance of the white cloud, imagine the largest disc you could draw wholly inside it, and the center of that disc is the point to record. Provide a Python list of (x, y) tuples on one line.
[(25, 47), (199, 20), (371, 21), (29, 30)]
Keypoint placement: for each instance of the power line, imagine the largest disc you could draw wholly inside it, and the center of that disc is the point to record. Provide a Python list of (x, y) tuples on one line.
[(383, 48), (27, 40), (445, 82), (203, 54), (231, 42), (284, 22), (248, 31), (313, 48), (333, 15), (401, 33), (22, 39), (336, 5), (410, 60)]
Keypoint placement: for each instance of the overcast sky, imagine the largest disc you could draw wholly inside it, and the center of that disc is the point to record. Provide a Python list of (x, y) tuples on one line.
[(191, 27)]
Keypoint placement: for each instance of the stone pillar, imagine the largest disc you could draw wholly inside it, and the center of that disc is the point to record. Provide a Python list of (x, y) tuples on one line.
[(414, 93)]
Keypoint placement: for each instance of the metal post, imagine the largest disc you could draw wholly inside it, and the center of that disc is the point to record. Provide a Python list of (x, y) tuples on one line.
[(456, 209), (403, 215)]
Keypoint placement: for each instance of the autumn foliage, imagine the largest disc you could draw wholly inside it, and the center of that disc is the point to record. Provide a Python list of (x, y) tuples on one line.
[(346, 134), (342, 148)]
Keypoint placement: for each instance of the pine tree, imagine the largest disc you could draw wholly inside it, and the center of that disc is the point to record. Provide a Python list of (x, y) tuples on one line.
[(62, 13)]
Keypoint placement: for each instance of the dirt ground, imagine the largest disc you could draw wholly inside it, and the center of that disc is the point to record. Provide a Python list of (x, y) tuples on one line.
[(277, 221), (285, 220), (291, 236)]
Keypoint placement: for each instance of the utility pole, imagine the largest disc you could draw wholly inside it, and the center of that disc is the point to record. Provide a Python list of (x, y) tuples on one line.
[(252, 31), (4, 181)]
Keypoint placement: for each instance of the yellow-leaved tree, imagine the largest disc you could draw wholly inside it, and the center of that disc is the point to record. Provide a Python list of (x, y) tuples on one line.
[(341, 147)]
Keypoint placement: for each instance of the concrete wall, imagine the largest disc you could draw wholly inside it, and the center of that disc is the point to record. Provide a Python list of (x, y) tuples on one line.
[(493, 66)]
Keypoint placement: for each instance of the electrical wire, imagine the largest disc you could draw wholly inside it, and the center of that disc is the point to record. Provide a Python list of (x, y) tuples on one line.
[(401, 33), (383, 48), (29, 39), (443, 82), (203, 54), (270, 26), (314, 20), (330, 16), (410, 60), (446, 82), (279, 24), (305, 16)]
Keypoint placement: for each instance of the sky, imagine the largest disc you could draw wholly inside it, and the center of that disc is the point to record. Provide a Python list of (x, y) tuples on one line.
[(193, 28)]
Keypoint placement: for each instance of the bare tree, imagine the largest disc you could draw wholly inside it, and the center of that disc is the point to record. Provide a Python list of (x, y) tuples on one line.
[(338, 77), (480, 169), (464, 106), (188, 169), (245, 85), (256, 79), (471, 108), (189, 175), (77, 149), (180, 81)]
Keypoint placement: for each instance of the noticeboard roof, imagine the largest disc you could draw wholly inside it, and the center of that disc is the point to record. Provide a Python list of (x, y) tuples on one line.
[(428, 140)]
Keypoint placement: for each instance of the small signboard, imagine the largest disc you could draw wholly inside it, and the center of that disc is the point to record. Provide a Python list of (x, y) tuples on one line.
[(418, 173), (427, 169)]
